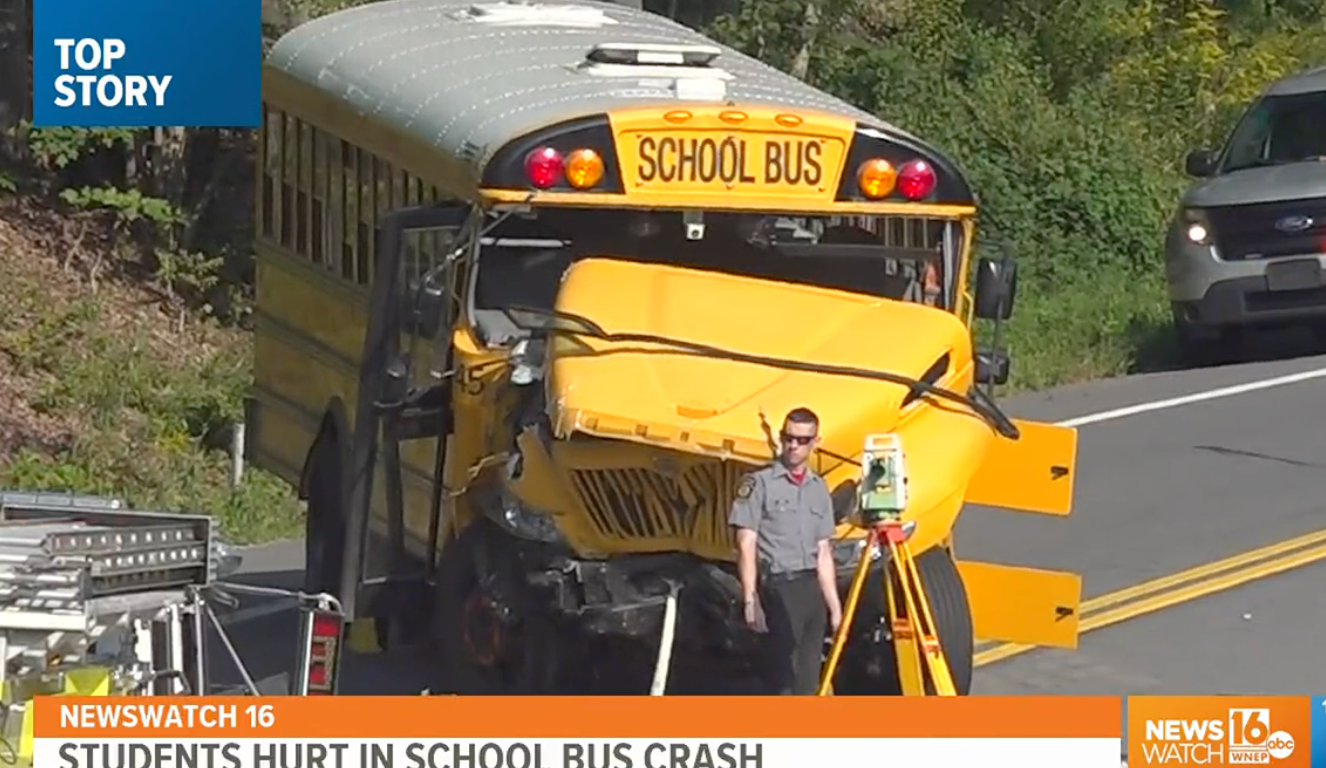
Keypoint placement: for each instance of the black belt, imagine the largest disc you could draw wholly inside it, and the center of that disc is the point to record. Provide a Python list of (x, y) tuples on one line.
[(785, 576)]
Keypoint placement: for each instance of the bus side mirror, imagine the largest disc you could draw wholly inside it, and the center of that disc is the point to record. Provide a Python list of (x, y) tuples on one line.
[(996, 287), (992, 367)]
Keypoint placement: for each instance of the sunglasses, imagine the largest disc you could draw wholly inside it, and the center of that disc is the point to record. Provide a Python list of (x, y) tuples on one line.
[(798, 439)]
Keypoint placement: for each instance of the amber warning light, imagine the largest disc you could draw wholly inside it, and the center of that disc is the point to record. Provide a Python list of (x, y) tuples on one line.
[(581, 168)]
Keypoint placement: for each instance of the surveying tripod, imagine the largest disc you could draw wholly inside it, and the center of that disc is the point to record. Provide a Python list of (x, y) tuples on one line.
[(912, 630)]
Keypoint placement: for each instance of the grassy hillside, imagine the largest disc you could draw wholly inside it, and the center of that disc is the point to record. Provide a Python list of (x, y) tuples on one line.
[(102, 390)]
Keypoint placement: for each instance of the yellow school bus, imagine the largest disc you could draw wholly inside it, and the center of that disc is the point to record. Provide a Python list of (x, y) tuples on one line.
[(535, 285)]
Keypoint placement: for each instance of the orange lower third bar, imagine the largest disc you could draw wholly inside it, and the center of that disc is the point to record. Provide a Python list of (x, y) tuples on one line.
[(574, 717), (589, 732)]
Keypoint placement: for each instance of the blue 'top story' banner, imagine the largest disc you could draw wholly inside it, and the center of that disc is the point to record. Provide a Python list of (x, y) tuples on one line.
[(132, 63)]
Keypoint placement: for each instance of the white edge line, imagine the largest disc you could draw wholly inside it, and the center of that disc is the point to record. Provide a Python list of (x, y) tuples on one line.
[(273, 607), (1196, 397)]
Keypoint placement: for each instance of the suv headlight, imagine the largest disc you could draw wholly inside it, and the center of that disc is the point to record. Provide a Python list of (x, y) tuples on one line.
[(522, 522), (1196, 226)]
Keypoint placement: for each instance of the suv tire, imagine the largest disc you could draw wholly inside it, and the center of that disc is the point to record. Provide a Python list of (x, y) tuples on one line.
[(1200, 347)]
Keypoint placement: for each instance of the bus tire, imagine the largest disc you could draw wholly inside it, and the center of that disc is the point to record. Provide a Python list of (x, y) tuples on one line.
[(862, 675), (325, 521), (471, 644)]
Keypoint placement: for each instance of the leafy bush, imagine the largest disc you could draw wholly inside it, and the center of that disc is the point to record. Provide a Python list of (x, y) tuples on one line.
[(1070, 120)]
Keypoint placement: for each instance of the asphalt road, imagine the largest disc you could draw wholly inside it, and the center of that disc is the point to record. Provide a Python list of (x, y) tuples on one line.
[(1261, 638), (1198, 466), (1171, 490)]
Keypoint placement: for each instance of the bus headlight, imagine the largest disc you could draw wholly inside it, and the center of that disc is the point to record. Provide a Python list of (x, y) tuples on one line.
[(524, 523)]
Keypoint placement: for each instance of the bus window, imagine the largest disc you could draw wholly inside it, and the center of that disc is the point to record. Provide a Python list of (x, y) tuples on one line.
[(922, 278), (516, 271), (289, 181), (304, 190), (350, 218), (318, 201), (517, 268), (364, 234), (335, 226), (400, 186), (271, 168)]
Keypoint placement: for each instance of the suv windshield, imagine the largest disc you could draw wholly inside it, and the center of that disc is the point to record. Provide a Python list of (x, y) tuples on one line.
[(1279, 130)]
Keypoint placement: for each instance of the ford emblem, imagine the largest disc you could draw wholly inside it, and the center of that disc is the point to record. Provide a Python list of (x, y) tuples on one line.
[(1292, 224)]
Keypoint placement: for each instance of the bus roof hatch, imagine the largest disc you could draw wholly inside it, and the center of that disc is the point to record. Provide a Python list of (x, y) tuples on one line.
[(654, 54), (684, 70), (504, 14)]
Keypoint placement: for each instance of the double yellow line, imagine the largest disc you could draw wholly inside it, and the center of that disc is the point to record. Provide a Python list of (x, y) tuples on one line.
[(1182, 587)]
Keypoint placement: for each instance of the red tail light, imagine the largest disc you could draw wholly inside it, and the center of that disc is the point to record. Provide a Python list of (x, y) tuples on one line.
[(324, 652), (543, 167), (916, 180), (326, 625)]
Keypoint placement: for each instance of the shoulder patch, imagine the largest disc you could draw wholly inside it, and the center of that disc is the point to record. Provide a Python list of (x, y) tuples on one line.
[(747, 486)]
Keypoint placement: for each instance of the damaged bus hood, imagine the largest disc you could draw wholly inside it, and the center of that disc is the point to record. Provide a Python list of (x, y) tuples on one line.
[(652, 394)]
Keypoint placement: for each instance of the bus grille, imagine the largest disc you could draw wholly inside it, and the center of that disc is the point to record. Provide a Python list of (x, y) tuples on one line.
[(640, 503)]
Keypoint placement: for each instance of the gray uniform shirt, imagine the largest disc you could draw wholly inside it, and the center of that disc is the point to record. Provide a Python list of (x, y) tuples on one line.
[(789, 519)]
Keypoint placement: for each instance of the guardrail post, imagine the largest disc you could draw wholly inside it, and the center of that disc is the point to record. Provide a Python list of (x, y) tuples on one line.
[(237, 454)]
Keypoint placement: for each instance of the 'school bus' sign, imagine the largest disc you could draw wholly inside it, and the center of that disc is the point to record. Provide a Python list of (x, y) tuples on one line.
[(756, 151)]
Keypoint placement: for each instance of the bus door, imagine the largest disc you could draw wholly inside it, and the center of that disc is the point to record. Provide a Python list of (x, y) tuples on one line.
[(403, 409)]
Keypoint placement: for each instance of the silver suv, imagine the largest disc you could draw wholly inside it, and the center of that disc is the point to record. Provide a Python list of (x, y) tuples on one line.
[(1247, 245)]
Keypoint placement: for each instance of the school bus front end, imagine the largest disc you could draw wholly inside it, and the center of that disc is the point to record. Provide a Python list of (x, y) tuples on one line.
[(651, 426), (528, 324)]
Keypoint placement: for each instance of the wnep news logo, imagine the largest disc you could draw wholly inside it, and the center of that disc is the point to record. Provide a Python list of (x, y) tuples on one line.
[(133, 63), (1219, 731)]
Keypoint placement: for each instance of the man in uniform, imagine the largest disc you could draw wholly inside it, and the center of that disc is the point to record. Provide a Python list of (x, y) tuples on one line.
[(783, 517)]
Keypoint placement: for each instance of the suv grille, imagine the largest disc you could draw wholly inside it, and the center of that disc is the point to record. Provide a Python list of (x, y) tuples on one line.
[(1245, 232)]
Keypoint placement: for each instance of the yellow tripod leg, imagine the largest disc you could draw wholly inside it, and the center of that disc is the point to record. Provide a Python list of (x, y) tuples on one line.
[(927, 635), (903, 624), (849, 613)]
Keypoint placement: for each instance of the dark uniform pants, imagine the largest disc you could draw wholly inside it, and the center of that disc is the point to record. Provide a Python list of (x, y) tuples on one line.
[(796, 616)]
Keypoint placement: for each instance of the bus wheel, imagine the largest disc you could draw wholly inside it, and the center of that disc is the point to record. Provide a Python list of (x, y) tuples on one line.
[(324, 523), (480, 654), (871, 669)]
